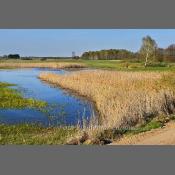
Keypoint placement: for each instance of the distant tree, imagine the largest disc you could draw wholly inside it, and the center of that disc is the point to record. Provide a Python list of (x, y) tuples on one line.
[(169, 53), (43, 59), (5, 56), (160, 54), (26, 58), (148, 48), (76, 57), (14, 56)]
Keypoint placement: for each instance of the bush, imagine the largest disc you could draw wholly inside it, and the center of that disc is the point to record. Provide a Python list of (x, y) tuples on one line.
[(43, 59), (158, 64), (15, 56)]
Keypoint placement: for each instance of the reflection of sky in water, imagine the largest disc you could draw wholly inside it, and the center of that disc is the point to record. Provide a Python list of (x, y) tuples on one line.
[(62, 106)]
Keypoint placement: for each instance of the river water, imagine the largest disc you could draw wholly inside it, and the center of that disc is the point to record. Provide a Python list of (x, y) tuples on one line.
[(63, 108)]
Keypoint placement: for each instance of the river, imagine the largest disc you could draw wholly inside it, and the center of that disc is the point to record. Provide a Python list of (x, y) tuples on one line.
[(63, 108)]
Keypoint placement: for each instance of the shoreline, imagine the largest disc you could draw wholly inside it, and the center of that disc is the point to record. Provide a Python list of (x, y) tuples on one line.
[(69, 82), (76, 93), (53, 65)]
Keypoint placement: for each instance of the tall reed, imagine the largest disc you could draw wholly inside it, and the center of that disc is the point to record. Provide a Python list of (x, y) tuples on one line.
[(123, 99)]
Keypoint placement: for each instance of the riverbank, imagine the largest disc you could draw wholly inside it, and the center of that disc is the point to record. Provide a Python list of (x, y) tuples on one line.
[(52, 65), (159, 136), (33, 134), (124, 100), (26, 133)]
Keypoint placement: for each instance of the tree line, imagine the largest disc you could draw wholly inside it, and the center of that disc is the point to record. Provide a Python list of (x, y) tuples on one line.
[(111, 54), (149, 51), (11, 56)]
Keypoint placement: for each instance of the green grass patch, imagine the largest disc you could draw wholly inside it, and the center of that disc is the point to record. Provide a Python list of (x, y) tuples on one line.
[(125, 65), (34, 134), (157, 122), (3, 84), (11, 98), (147, 127)]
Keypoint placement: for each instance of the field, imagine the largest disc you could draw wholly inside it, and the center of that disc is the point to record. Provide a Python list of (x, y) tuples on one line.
[(126, 95), (120, 65)]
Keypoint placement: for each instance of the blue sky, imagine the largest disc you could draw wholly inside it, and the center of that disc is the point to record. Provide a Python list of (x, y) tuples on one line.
[(61, 42)]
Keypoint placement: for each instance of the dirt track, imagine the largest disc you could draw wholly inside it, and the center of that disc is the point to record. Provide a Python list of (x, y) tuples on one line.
[(161, 136)]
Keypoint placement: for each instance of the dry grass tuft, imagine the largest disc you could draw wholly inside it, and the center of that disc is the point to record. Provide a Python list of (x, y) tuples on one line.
[(123, 99)]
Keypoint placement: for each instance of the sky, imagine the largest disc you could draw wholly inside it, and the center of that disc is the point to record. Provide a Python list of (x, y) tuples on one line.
[(62, 42)]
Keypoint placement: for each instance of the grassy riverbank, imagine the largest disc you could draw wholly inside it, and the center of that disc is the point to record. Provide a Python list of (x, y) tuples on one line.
[(129, 101), (29, 134), (11, 98), (52, 65), (34, 134)]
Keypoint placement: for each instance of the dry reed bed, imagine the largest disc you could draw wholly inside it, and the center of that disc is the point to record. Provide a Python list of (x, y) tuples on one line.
[(123, 99), (42, 65)]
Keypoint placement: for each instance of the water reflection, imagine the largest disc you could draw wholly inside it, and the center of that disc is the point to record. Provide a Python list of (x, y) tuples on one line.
[(63, 108)]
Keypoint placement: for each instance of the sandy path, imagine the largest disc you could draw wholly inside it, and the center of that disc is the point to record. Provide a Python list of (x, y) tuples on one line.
[(160, 136)]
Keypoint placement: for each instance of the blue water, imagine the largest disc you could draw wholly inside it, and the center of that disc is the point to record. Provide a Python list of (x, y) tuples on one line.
[(63, 107)]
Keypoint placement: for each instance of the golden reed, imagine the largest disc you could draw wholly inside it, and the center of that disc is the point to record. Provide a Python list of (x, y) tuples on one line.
[(123, 99), (42, 65)]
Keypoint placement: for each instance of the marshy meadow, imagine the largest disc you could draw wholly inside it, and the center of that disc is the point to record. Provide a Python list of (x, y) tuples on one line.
[(104, 97), (114, 103)]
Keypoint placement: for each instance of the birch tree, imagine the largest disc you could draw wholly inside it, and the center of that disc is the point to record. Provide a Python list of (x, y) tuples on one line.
[(148, 48)]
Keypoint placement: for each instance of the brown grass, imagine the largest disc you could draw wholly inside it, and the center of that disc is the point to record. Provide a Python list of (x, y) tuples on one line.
[(123, 99), (42, 65)]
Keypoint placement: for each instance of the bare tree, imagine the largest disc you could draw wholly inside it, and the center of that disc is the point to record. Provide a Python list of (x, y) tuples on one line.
[(148, 48)]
